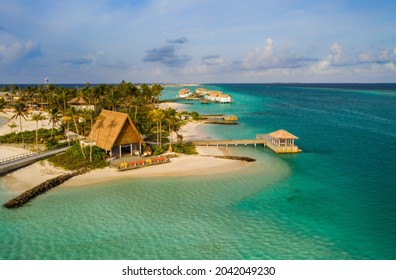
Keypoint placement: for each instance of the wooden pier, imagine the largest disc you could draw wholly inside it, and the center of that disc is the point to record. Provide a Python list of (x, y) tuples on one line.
[(280, 147)]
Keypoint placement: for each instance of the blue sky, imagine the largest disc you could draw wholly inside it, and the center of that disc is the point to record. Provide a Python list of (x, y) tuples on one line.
[(203, 41)]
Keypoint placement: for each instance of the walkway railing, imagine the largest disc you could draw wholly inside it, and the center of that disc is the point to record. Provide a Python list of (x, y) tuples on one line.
[(30, 154)]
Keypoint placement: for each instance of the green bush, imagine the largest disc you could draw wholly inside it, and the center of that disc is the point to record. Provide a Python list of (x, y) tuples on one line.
[(73, 158), (194, 115), (157, 150), (185, 148)]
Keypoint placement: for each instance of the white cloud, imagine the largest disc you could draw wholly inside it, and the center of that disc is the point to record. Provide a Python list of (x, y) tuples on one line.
[(213, 60), (335, 53), (383, 56), (259, 57), (19, 51), (334, 58), (366, 57)]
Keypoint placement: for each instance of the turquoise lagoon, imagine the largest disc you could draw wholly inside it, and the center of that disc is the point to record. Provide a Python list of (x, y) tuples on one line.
[(336, 200)]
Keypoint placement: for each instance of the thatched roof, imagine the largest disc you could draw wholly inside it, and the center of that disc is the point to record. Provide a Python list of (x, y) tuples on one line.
[(113, 129), (79, 100), (282, 134)]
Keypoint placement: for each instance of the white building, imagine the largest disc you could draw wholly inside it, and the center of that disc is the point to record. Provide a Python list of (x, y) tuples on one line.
[(218, 96), (184, 93)]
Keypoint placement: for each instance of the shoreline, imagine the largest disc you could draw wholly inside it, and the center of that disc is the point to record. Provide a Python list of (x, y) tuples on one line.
[(183, 165)]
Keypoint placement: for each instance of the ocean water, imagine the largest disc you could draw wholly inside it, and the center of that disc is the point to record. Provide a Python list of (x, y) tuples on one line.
[(335, 200)]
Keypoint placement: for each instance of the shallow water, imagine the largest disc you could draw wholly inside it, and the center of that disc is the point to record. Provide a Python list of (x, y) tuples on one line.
[(333, 201)]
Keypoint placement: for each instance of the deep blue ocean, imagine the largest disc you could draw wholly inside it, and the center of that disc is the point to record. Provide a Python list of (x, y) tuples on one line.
[(335, 200)]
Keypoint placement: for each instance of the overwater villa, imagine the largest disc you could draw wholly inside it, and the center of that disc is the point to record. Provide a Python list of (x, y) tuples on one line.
[(185, 93), (218, 96), (115, 133), (280, 141)]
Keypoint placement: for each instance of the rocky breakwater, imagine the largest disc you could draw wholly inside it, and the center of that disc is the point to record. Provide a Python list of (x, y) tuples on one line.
[(248, 159), (28, 195)]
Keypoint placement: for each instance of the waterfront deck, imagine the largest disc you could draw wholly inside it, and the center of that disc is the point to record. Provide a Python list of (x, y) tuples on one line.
[(261, 139)]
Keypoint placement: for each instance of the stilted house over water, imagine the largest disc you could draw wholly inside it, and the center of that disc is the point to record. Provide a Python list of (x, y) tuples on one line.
[(116, 134), (283, 141)]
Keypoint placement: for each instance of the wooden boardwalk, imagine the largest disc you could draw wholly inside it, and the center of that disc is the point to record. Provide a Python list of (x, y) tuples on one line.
[(16, 162), (261, 139)]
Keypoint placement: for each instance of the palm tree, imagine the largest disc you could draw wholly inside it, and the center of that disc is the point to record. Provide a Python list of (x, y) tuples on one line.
[(90, 114), (12, 126), (67, 119), (38, 117), (156, 92), (75, 114), (2, 104), (54, 118), (157, 115), (171, 119), (20, 112)]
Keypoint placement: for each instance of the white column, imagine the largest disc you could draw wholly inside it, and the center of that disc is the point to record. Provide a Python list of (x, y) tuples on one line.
[(120, 151), (131, 150)]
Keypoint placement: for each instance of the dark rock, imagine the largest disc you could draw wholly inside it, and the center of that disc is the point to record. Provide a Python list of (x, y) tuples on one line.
[(28, 195)]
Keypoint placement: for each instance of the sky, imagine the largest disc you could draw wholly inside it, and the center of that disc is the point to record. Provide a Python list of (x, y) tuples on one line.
[(197, 41)]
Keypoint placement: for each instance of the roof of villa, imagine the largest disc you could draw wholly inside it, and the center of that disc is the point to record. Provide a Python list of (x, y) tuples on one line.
[(282, 134), (113, 129), (79, 100)]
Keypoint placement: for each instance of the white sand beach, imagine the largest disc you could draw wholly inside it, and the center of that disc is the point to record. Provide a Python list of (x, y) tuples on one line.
[(27, 125), (184, 165)]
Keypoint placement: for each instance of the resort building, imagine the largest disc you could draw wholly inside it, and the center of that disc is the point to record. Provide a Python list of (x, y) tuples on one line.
[(80, 103), (115, 133), (184, 93), (218, 96), (201, 91), (283, 142)]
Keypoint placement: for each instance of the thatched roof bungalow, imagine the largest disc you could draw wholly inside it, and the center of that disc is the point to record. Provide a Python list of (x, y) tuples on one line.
[(114, 131), (81, 103)]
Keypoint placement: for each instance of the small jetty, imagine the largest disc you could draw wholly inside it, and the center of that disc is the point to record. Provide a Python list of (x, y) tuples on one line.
[(280, 142)]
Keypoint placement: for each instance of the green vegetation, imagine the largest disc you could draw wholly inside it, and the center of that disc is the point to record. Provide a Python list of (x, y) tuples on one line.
[(138, 101), (185, 148), (181, 148), (44, 136), (73, 158)]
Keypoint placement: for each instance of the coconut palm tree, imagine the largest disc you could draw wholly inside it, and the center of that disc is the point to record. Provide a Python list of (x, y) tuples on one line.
[(91, 115), (172, 120), (157, 115), (66, 119), (12, 125), (2, 104), (74, 114), (54, 118), (20, 112), (38, 117)]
